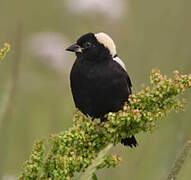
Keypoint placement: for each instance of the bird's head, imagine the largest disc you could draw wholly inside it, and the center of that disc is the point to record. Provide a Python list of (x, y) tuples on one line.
[(94, 46)]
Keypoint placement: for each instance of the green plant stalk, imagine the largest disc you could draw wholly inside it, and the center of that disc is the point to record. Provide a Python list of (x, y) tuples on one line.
[(95, 163), (179, 162), (4, 102), (7, 118), (74, 151), (4, 105)]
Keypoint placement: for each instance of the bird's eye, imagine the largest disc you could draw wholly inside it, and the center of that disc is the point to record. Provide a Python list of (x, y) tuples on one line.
[(87, 45)]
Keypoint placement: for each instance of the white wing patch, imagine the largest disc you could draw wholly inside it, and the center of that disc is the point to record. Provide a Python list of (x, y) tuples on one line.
[(120, 62)]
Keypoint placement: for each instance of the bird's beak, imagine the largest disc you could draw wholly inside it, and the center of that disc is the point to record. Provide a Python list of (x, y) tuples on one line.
[(74, 48)]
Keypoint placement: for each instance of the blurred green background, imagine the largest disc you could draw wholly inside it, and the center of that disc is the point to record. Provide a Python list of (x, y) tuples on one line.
[(148, 34)]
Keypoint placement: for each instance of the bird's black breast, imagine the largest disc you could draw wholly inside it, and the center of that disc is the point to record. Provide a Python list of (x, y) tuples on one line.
[(99, 88)]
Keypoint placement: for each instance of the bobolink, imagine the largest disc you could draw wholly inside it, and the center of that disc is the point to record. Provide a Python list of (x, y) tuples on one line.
[(99, 80)]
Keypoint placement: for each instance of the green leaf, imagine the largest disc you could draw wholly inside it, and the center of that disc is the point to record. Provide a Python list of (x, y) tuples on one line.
[(94, 177)]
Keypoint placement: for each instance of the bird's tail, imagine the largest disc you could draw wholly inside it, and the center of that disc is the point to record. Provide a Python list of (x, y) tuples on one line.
[(129, 141)]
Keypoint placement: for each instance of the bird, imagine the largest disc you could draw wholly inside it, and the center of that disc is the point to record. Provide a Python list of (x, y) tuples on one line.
[(99, 80)]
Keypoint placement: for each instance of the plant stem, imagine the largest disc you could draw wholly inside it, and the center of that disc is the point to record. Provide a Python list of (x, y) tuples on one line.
[(179, 162), (6, 116), (100, 158)]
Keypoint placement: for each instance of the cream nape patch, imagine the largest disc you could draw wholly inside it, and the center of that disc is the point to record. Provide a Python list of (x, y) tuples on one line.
[(106, 40)]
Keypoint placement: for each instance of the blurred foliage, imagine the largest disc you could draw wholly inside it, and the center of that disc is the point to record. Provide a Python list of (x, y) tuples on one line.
[(75, 150), (4, 50), (149, 34)]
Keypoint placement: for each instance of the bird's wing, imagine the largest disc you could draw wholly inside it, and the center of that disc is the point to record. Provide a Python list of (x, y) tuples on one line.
[(119, 68), (120, 62)]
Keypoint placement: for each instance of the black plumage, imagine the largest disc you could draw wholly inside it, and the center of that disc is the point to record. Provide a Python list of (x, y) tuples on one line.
[(99, 84)]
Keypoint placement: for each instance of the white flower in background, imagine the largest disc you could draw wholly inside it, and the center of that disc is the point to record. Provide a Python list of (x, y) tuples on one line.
[(110, 8), (50, 47), (9, 177)]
